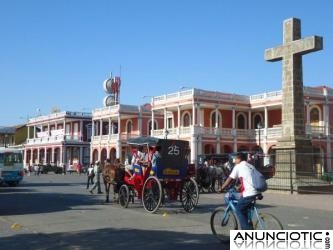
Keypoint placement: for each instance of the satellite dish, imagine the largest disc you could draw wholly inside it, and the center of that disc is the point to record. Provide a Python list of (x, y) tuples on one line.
[(107, 85), (109, 100)]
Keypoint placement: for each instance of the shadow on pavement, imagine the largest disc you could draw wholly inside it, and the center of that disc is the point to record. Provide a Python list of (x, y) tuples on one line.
[(110, 238)]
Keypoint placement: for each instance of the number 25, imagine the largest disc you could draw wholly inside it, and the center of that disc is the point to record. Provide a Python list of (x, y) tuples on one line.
[(173, 150)]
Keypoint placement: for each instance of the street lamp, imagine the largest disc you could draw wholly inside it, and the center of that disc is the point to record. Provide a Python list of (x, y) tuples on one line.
[(259, 127), (6, 137), (166, 132)]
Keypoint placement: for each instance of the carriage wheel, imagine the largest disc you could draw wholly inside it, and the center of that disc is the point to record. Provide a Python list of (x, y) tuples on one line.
[(189, 195), (124, 196), (152, 194)]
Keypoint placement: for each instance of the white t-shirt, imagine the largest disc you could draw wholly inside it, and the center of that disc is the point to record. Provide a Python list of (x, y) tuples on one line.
[(242, 172)]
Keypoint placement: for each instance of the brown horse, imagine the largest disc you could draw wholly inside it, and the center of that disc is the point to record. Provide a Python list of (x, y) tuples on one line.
[(109, 175), (112, 175)]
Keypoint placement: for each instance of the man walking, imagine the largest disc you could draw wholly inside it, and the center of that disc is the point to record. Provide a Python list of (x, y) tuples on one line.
[(97, 179)]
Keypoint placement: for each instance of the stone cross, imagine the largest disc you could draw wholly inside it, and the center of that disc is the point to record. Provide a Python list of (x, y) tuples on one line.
[(290, 52)]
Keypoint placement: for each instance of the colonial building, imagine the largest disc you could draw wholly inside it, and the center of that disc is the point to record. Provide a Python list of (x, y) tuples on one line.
[(114, 125), (213, 122), (59, 138), (7, 136)]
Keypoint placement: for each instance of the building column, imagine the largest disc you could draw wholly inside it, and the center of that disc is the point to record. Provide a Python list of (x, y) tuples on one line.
[(81, 155), (38, 155), (62, 156), (45, 155), (307, 113), (193, 115), (165, 119), (218, 145), (110, 128), (194, 148), (100, 127), (118, 150), (178, 121), (249, 119), (265, 130), (92, 129), (119, 127), (140, 121), (81, 130), (234, 131), (199, 115), (52, 155), (25, 158), (326, 115), (152, 121), (64, 127), (216, 125), (31, 156), (233, 117)]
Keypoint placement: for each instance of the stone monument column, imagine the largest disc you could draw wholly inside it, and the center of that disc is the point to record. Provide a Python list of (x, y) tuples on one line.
[(293, 148)]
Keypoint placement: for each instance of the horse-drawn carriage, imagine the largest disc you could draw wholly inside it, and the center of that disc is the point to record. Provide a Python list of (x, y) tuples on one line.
[(169, 177)]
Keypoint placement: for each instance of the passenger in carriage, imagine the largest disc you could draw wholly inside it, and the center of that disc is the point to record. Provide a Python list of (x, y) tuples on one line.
[(155, 160), (128, 170), (138, 177), (144, 159)]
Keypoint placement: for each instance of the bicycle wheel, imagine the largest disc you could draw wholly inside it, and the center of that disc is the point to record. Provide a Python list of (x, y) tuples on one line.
[(221, 222), (267, 222)]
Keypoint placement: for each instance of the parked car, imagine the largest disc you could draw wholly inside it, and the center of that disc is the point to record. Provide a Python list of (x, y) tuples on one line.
[(44, 169)]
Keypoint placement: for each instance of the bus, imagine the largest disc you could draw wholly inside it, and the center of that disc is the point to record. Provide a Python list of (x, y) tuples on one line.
[(11, 166)]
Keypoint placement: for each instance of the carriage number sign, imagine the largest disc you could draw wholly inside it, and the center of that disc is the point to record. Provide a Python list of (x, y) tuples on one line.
[(173, 150)]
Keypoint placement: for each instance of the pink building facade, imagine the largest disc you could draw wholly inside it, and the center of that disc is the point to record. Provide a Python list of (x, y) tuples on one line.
[(59, 139), (213, 122)]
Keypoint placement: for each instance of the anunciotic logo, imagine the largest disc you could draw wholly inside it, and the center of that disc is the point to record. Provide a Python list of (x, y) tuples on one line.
[(280, 239)]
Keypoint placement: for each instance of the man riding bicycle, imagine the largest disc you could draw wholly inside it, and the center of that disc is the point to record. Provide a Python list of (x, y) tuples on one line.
[(243, 173)]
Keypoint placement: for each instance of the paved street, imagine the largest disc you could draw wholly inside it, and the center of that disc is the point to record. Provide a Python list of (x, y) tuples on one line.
[(56, 212)]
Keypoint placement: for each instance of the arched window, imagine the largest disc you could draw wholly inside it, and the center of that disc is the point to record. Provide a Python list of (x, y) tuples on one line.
[(213, 119), (241, 121), (314, 116), (257, 120), (186, 120), (129, 127)]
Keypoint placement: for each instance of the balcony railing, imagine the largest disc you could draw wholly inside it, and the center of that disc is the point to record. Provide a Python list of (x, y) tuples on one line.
[(225, 133), (55, 139), (269, 133)]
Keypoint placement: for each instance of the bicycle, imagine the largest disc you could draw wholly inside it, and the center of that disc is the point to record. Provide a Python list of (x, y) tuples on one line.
[(224, 219)]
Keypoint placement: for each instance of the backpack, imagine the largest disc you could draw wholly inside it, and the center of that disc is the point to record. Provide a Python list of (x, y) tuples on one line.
[(258, 180)]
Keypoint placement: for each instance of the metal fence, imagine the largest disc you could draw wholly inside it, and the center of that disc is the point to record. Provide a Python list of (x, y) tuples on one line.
[(302, 173)]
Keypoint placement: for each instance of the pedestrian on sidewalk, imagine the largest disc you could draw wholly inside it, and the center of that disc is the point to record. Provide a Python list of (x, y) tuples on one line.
[(91, 175)]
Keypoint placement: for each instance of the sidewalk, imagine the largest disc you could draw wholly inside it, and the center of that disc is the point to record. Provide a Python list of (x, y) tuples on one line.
[(310, 201)]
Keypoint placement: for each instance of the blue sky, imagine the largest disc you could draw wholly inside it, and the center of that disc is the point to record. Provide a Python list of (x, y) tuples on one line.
[(58, 53)]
